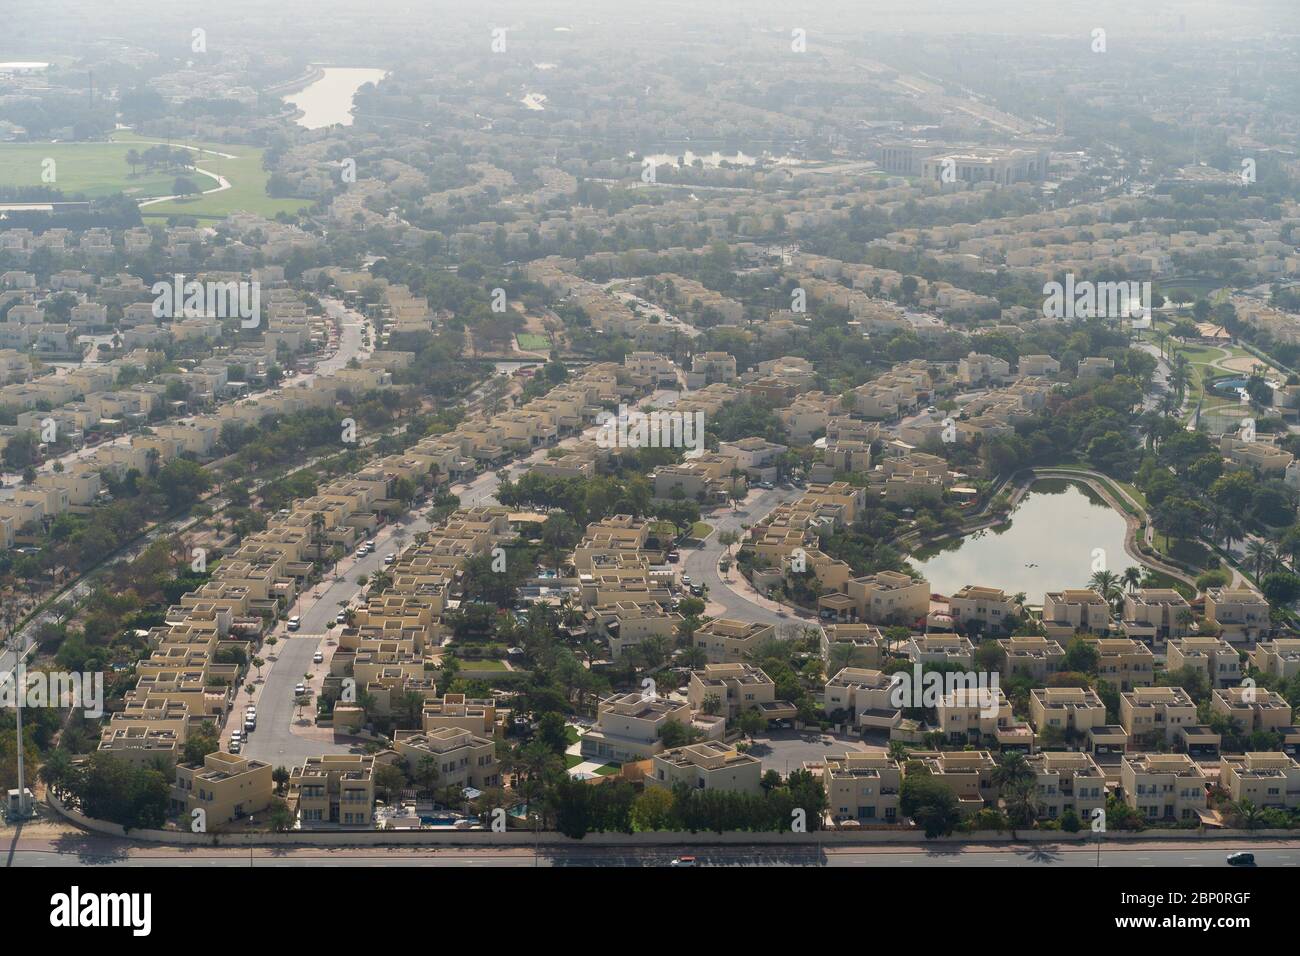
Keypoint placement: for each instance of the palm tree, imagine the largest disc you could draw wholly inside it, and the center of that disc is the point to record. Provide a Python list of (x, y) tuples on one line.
[(1021, 801), (1106, 583), (1180, 377), (1132, 578), (317, 529), (1260, 553), (1012, 767), (1247, 815), (1230, 530)]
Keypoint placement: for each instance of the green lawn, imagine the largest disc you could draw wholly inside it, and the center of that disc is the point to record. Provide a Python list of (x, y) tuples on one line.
[(701, 529), (532, 342), (92, 170), (247, 190), (608, 769), (571, 761), (99, 169), (471, 664)]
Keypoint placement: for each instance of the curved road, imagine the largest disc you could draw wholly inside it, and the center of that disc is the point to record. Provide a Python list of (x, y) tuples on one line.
[(742, 603)]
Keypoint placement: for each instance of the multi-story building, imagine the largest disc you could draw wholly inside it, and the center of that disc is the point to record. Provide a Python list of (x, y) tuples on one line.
[(862, 786), (1080, 609), (1124, 662), (1211, 656), (1268, 779), (708, 765), (941, 649), (1068, 781), (1152, 714), (980, 608), (737, 687), (1253, 708), (1280, 657), (855, 645), (867, 694), (334, 788), (462, 759), (629, 727), (967, 773), (225, 787), (1240, 613), (456, 710), (981, 715), (1156, 614), (1069, 710), (1033, 655), (889, 597), (1163, 786), (725, 641)]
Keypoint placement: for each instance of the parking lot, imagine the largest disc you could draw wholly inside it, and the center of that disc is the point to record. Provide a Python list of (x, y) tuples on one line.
[(786, 750)]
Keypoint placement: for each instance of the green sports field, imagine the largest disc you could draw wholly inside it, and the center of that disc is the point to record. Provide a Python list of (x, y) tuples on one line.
[(99, 169), (92, 169), (532, 342), (247, 190)]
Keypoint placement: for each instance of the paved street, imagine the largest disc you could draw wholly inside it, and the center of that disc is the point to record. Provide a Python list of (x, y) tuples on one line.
[(350, 346), (74, 848), (701, 564)]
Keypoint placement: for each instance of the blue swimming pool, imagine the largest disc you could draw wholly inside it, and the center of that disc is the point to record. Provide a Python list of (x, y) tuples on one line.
[(1230, 387)]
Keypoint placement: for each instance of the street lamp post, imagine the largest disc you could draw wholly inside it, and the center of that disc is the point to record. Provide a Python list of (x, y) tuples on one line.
[(20, 690)]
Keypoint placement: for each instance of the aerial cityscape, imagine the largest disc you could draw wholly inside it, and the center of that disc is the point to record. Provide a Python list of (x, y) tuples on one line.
[(667, 435)]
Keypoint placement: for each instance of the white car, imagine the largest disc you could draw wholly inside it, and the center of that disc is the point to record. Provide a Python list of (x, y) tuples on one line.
[(318, 658), (683, 861), (300, 689), (235, 746), (390, 558), (341, 617), (295, 622)]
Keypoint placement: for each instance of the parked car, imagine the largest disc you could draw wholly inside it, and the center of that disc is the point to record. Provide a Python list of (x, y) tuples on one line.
[(250, 724), (318, 658), (370, 544), (686, 579), (341, 617), (235, 746), (1241, 858), (683, 861), (389, 558), (295, 622), (674, 557), (299, 689)]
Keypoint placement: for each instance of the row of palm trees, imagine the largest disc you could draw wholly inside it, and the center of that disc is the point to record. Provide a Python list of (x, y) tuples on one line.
[(1114, 586)]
